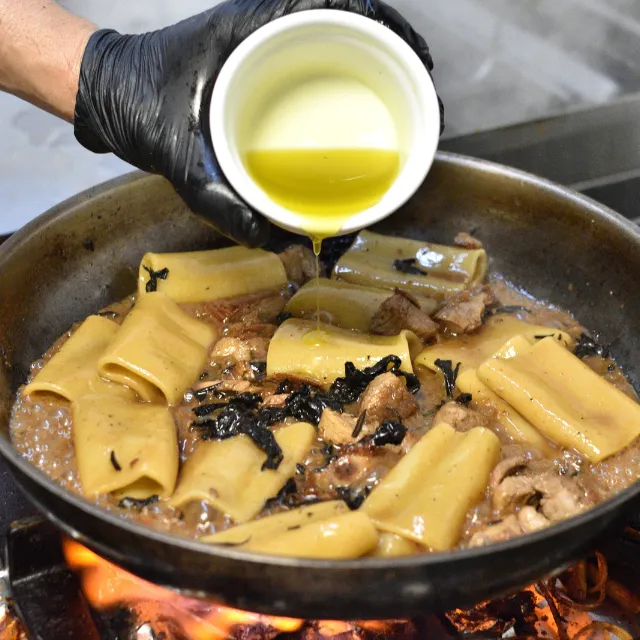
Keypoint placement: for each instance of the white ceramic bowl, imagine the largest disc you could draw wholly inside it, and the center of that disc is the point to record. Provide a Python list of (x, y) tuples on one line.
[(316, 43)]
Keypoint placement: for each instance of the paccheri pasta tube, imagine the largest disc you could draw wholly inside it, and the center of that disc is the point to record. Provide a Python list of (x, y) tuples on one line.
[(391, 545), (564, 399), (299, 347), (73, 371), (325, 530), (427, 495), (342, 304), (126, 447), (346, 536), (228, 474), (473, 349), (514, 425), (428, 269), (158, 351), (201, 276), (278, 523)]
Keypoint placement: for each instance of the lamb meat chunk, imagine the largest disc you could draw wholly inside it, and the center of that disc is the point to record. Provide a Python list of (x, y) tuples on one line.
[(231, 386), (528, 463), (562, 497), (299, 264), (467, 241), (530, 519), (555, 496), (246, 331), (253, 308), (278, 400), (498, 532), (402, 311), (356, 470), (527, 520), (513, 492), (387, 398), (265, 310), (463, 312), (241, 349), (459, 417), (337, 428)]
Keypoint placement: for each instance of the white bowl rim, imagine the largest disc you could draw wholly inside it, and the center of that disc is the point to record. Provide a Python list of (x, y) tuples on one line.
[(426, 98)]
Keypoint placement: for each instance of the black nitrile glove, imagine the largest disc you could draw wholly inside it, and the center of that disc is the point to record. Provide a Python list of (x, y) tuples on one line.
[(146, 99)]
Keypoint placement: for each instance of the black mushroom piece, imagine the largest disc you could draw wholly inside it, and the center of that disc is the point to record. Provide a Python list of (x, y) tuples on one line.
[(242, 413), (450, 375), (355, 381), (154, 276), (307, 405), (389, 433), (241, 416), (588, 346), (410, 266)]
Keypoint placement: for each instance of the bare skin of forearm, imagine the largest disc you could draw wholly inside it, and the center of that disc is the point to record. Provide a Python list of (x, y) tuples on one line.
[(41, 48)]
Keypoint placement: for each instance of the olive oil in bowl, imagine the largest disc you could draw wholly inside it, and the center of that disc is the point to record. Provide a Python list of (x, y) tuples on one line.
[(325, 148), (324, 186)]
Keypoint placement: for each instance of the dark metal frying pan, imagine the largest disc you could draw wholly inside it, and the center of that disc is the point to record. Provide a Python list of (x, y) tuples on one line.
[(83, 255)]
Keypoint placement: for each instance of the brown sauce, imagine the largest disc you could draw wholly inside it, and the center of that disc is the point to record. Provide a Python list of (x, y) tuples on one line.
[(41, 427)]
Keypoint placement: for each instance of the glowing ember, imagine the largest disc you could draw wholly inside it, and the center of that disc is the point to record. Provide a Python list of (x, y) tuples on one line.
[(10, 626), (536, 612)]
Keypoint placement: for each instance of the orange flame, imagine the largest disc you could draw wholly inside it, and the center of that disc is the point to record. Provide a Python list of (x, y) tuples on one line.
[(106, 585)]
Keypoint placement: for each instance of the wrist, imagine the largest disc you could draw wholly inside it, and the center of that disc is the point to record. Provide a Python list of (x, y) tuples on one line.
[(56, 80), (41, 48), (67, 97)]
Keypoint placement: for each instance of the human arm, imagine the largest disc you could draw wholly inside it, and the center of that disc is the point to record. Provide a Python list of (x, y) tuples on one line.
[(41, 48)]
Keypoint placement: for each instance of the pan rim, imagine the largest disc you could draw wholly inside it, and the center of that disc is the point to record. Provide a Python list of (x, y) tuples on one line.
[(422, 561)]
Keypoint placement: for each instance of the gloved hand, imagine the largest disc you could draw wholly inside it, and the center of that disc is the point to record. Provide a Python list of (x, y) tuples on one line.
[(146, 99)]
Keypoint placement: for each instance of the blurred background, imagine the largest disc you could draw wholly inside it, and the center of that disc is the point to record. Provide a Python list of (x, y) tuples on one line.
[(498, 63)]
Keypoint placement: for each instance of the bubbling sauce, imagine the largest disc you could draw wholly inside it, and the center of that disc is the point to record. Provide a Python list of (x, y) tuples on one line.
[(41, 426)]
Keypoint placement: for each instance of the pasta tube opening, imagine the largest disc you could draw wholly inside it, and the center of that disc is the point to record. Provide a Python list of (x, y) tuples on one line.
[(158, 351), (73, 371)]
